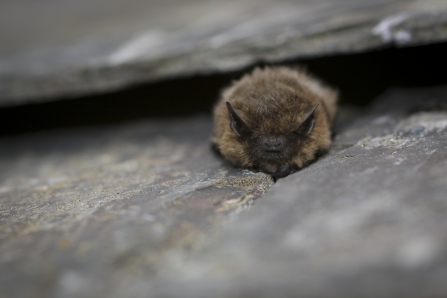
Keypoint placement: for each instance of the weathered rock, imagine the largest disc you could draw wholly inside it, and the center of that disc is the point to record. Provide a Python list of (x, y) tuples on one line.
[(367, 220), (138, 210), (78, 205), (85, 47)]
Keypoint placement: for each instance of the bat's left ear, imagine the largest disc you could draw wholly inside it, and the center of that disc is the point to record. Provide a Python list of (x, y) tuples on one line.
[(307, 125), (238, 126)]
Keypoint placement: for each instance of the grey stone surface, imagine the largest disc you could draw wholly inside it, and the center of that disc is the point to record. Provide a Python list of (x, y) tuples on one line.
[(76, 205), (52, 48), (146, 210), (367, 220)]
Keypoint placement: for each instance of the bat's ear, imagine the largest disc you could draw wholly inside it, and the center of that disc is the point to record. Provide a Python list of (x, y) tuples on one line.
[(307, 125), (238, 126)]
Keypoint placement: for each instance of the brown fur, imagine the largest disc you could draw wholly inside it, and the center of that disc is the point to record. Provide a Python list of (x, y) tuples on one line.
[(274, 101)]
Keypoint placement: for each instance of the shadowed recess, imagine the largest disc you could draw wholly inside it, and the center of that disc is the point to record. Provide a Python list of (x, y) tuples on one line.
[(359, 77)]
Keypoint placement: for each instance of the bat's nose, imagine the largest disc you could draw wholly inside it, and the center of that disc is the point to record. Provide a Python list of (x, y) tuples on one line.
[(272, 143)]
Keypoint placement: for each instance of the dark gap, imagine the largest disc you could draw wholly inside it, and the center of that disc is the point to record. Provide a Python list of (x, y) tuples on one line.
[(362, 77), (359, 77)]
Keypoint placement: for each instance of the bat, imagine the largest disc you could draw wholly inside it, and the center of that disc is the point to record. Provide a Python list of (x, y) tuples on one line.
[(275, 120)]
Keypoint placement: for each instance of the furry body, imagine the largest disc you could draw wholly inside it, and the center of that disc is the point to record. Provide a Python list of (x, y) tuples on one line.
[(274, 119)]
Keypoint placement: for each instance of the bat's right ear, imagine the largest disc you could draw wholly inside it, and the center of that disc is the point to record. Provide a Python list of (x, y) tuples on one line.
[(238, 126), (308, 124)]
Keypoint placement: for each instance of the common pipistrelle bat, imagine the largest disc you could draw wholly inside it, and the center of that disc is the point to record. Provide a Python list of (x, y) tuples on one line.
[(275, 120)]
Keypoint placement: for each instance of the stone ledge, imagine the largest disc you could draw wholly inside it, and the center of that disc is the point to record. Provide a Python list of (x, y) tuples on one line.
[(146, 209), (152, 45)]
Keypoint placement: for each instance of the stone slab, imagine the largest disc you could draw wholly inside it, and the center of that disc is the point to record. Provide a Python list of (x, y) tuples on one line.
[(53, 49), (79, 204), (367, 220), (146, 210)]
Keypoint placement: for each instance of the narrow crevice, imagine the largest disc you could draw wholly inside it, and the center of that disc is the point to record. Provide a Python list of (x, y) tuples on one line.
[(359, 77)]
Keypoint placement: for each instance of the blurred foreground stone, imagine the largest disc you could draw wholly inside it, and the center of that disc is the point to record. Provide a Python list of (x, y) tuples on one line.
[(146, 210), (70, 48), (81, 205)]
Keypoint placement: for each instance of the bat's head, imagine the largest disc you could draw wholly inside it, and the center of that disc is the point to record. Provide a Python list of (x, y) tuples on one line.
[(273, 150)]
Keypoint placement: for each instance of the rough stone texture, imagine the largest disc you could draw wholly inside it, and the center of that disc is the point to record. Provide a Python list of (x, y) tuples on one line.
[(78, 205), (367, 220), (52, 48), (138, 211)]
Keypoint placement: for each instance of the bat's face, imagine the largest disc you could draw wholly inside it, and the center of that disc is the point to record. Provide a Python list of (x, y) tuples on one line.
[(272, 153)]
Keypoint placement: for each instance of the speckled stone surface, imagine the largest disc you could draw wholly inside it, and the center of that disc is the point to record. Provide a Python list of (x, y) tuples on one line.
[(78, 205), (52, 49), (367, 220), (147, 210)]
